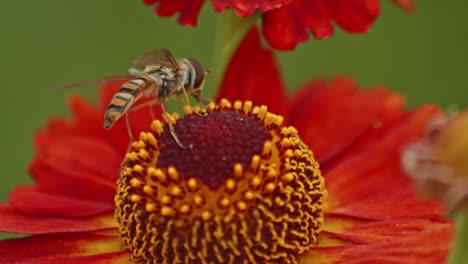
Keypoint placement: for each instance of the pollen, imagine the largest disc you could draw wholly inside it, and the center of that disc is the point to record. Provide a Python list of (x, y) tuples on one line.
[(187, 110), (238, 170), (148, 190), (230, 185), (157, 127), (247, 191), (192, 184)]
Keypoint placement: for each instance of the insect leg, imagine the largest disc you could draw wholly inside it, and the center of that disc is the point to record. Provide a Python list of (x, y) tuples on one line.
[(145, 104), (166, 116), (152, 111), (130, 136), (174, 91), (133, 109), (171, 127), (129, 129), (197, 94), (187, 101)]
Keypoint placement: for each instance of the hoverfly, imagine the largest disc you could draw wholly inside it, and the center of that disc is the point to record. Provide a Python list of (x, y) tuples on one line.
[(163, 77)]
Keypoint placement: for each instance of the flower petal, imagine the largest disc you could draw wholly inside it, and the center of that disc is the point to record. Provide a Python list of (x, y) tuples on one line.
[(401, 241), (354, 16), (348, 130), (120, 257), (32, 201), (287, 26), (407, 5), (55, 126), (88, 121), (331, 117), (14, 221), (253, 75), (247, 7), (189, 10), (374, 170), (60, 168), (70, 148), (63, 248)]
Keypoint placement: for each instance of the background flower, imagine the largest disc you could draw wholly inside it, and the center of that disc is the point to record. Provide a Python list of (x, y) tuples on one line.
[(286, 23)]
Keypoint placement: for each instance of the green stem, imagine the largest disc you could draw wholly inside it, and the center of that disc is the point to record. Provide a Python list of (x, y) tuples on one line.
[(459, 254), (230, 31)]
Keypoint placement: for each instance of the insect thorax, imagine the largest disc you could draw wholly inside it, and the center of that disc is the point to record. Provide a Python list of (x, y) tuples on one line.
[(168, 79)]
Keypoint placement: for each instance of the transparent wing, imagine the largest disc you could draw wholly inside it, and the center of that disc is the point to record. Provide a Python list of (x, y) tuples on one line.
[(89, 82), (156, 56)]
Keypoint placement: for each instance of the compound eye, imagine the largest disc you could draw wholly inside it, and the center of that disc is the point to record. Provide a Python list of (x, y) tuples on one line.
[(199, 72)]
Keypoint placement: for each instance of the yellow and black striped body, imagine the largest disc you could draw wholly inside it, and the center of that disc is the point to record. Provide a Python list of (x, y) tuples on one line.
[(127, 95), (161, 79)]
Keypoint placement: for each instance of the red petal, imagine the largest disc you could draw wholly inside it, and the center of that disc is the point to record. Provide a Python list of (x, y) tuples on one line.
[(356, 136), (371, 198), (121, 257), (85, 153), (88, 120), (55, 126), (253, 75), (287, 26), (332, 117), (407, 5), (62, 248), (401, 241), (67, 177), (354, 16), (284, 28), (77, 166), (32, 201), (315, 16), (189, 10), (374, 170), (14, 221), (247, 7)]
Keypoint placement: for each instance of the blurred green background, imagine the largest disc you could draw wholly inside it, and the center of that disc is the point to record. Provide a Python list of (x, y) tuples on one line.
[(50, 42)]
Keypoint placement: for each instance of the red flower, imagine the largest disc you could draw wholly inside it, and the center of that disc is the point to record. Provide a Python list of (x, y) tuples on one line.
[(286, 23), (373, 214), (407, 5)]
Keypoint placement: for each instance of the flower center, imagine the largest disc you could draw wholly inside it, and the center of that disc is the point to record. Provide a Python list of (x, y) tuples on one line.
[(243, 190), (217, 143)]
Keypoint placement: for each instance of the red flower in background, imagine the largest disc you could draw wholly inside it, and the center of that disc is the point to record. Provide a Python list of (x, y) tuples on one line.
[(286, 23), (373, 214), (407, 5)]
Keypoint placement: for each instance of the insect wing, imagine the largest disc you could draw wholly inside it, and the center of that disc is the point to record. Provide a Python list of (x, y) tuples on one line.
[(90, 82), (155, 57)]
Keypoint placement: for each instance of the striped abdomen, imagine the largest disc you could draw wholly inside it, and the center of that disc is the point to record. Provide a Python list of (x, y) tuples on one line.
[(130, 92)]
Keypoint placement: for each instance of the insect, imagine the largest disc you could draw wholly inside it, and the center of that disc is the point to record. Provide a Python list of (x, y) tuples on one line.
[(162, 76)]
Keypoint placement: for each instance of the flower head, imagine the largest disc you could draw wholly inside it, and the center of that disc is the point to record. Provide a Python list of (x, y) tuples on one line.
[(287, 23), (242, 165), (244, 181), (437, 160)]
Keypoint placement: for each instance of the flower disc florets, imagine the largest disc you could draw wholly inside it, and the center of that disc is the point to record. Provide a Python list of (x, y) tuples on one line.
[(243, 190)]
